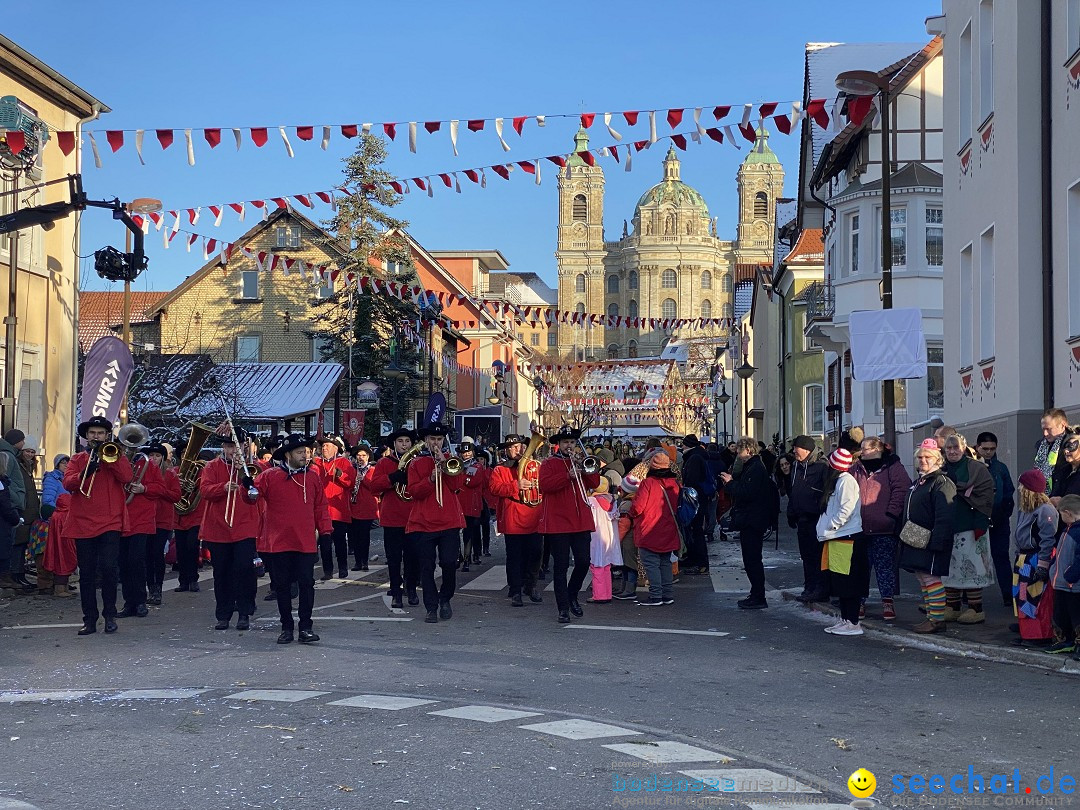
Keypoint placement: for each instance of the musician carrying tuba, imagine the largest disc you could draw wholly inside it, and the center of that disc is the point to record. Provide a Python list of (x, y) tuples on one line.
[(515, 482)]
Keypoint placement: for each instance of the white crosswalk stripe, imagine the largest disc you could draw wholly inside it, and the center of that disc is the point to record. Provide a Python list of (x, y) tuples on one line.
[(750, 780), (38, 697), (493, 579), (354, 576), (484, 714), (575, 729), (388, 702), (276, 695), (666, 751)]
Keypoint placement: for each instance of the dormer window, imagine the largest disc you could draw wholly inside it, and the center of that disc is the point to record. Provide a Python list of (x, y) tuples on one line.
[(288, 236)]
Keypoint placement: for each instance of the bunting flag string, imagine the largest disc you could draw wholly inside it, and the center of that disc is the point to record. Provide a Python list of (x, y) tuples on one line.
[(450, 364), (259, 136)]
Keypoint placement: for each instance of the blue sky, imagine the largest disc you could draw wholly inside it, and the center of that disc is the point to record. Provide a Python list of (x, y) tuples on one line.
[(202, 64)]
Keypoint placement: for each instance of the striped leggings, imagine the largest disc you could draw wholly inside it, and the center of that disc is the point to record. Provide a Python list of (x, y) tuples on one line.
[(933, 592)]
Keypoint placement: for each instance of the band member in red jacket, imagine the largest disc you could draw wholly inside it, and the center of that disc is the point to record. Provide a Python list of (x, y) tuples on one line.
[(296, 519), (229, 528), (339, 475), (364, 508), (95, 521), (470, 491), (394, 514), (146, 487), (435, 523), (517, 515), (566, 519), (165, 522)]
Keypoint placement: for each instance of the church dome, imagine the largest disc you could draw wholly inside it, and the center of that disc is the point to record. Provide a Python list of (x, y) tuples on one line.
[(672, 190)]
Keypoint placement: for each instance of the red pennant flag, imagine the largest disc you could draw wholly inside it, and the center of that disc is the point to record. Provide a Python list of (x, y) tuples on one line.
[(211, 245), (527, 166), (258, 203), (816, 110), (674, 118), (679, 141), (749, 132), (767, 109), (519, 123), (324, 196), (587, 119), (615, 152), (502, 171), (587, 157), (783, 123), (213, 137), (390, 130), (639, 145), (716, 134), (476, 124), (433, 126), (115, 137), (304, 200), (558, 160), (191, 215), (237, 207), (630, 116), (857, 108), (446, 180), (473, 175), (214, 209), (66, 141), (280, 201), (396, 186), (258, 136), (420, 183), (305, 133), (721, 112), (349, 130), (16, 140)]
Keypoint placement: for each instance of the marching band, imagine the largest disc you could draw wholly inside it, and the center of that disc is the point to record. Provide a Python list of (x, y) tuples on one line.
[(131, 498)]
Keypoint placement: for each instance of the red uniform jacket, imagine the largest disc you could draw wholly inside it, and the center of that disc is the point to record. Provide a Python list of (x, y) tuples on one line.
[(427, 515), (215, 475), (512, 516), (366, 506), (166, 513), (564, 510), (393, 511), (192, 519), (104, 510), (142, 511), (655, 528), (296, 512), (471, 490), (339, 475)]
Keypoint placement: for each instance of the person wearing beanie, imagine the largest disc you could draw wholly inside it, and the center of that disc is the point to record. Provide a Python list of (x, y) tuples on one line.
[(1036, 535), (845, 557), (805, 489), (1004, 504), (52, 483), (696, 473), (656, 530)]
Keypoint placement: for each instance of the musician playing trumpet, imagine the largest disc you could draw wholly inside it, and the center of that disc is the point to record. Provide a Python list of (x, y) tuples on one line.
[(95, 521), (566, 519), (517, 514), (146, 487), (470, 494), (388, 482), (364, 508)]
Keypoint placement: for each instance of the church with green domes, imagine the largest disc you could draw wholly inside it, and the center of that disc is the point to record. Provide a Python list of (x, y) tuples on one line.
[(669, 261)]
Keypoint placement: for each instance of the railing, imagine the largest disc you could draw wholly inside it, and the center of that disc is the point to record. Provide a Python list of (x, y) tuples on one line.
[(820, 301)]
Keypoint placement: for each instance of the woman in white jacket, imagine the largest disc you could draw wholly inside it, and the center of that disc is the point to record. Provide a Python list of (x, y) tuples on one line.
[(845, 555)]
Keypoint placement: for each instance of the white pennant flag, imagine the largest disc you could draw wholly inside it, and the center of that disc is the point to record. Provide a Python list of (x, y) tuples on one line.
[(697, 123), (138, 145), (747, 109), (695, 137), (285, 138), (838, 106), (217, 218), (453, 136), (365, 129), (538, 171), (325, 138), (412, 136), (499, 132), (430, 187), (541, 120), (93, 147), (629, 158), (457, 184), (176, 221), (195, 216), (483, 179), (239, 136), (731, 138), (165, 239), (652, 126), (610, 129), (190, 148), (158, 222)]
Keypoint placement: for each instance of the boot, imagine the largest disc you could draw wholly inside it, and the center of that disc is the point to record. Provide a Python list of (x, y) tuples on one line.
[(62, 591), (888, 609), (629, 590)]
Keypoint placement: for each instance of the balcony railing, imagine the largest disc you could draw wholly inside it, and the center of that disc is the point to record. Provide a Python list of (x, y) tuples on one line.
[(820, 301)]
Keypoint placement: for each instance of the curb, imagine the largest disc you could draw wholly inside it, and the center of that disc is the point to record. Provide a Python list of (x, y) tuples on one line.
[(955, 647)]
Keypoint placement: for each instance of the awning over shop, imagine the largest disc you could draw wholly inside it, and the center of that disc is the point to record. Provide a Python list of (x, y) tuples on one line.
[(270, 392)]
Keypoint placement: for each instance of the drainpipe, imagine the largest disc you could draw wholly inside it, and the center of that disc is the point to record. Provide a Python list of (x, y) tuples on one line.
[(1046, 142)]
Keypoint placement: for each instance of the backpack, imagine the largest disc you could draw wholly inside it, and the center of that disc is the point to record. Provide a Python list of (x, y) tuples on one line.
[(688, 506)]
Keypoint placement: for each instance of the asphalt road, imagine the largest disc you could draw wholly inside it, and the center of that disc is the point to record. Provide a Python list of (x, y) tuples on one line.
[(767, 690)]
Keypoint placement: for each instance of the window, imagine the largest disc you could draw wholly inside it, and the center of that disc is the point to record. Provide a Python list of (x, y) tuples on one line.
[(249, 285), (613, 285), (761, 205), (248, 348), (521, 337), (288, 236), (935, 236), (964, 96), (986, 59), (579, 283), (631, 280), (814, 403), (853, 244), (935, 378), (581, 208), (534, 339), (580, 309), (321, 347), (987, 321), (613, 310), (1073, 258), (965, 311), (668, 279), (725, 283), (726, 311), (706, 280), (326, 290), (706, 308), (632, 309), (898, 232), (669, 309), (631, 349), (613, 352), (395, 268)]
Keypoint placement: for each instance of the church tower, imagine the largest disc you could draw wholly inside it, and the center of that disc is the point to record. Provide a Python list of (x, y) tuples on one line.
[(580, 252), (760, 180)]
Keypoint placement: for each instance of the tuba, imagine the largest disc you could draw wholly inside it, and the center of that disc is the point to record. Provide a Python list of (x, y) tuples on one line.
[(189, 468), (403, 462), (529, 466)]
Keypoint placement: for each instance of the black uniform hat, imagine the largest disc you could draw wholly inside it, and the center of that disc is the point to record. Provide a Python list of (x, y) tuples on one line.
[(434, 430), (400, 433), (156, 448), (512, 438), (337, 441), (94, 421), (565, 432), (292, 442), (240, 435)]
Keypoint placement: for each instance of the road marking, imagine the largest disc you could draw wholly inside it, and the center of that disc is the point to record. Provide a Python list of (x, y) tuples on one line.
[(575, 729), (276, 695), (389, 702), (347, 618), (623, 629), (37, 626), (666, 752), (485, 714), (157, 694), (728, 580), (756, 806), (750, 780), (353, 578), (348, 601), (32, 697), (493, 579)]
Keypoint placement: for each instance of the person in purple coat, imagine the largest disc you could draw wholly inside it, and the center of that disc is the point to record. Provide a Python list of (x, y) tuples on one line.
[(883, 486)]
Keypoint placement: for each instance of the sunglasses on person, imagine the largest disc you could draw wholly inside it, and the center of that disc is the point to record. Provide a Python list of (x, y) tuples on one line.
[(1071, 446)]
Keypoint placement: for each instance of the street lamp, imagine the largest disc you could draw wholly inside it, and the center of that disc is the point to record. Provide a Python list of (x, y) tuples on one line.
[(498, 369), (745, 372), (869, 83), (722, 399)]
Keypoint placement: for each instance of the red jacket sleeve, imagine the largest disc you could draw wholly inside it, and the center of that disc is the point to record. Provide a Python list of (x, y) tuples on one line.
[(172, 492), (120, 469), (554, 476), (420, 483), (503, 483), (345, 474), (154, 481), (380, 481), (73, 475), (212, 482), (322, 512)]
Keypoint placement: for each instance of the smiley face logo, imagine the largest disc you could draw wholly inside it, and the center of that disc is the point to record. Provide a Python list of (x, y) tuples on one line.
[(862, 783)]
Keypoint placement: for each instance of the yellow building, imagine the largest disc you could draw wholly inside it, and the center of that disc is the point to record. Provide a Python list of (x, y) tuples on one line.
[(42, 401)]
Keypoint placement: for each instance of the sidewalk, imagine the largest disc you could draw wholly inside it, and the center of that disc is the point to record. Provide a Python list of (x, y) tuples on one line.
[(992, 640)]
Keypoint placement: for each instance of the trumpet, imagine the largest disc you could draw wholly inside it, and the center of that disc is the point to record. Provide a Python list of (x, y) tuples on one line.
[(450, 467)]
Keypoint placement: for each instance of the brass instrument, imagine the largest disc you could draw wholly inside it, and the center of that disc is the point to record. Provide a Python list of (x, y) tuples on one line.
[(403, 462), (109, 452), (189, 468), (237, 462), (450, 467), (133, 436), (86, 482), (527, 465)]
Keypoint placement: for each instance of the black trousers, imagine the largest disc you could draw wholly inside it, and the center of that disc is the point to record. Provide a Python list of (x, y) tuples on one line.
[(98, 563), (132, 559), (155, 558), (290, 567), (561, 547), (697, 552), (522, 561), (751, 541), (810, 551), (399, 553), (187, 554), (234, 578), (1000, 534), (337, 545), (471, 536), (545, 553), (359, 533), (485, 529), (432, 546)]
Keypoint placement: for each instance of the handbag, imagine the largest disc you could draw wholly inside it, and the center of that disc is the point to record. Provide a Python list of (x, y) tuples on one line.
[(678, 527), (915, 535)]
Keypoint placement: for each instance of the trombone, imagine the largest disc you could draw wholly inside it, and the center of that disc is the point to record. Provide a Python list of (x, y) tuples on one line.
[(589, 466), (133, 436), (450, 467), (238, 461)]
